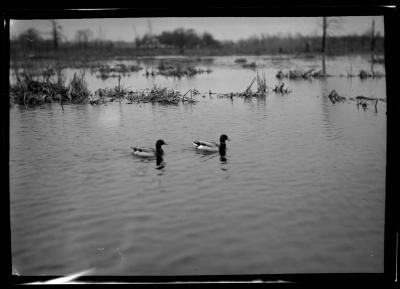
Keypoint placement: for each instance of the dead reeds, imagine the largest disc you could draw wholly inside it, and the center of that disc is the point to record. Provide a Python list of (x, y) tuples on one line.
[(262, 89), (162, 95)]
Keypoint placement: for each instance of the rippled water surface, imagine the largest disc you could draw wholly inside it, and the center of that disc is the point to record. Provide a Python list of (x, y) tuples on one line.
[(301, 190)]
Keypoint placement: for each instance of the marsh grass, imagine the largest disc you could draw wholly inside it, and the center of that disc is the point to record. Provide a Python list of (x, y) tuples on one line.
[(31, 90), (299, 74), (106, 71), (262, 89), (78, 91), (178, 71), (162, 95), (36, 90)]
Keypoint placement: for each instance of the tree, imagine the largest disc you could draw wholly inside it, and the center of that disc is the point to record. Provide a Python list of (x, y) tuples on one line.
[(29, 38), (56, 33), (326, 23), (208, 40), (82, 36), (373, 39)]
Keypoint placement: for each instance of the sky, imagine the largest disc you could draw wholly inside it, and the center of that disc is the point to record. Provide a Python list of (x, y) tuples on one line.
[(222, 28)]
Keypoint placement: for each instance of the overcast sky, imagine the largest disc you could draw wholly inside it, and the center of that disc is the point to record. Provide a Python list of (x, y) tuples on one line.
[(222, 28)]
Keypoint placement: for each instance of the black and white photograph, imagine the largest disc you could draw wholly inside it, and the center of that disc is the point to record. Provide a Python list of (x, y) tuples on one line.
[(192, 146)]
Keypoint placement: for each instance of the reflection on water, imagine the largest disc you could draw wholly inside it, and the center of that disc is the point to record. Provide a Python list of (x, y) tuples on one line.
[(300, 188), (160, 162)]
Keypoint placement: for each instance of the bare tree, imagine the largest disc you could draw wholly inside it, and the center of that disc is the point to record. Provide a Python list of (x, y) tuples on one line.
[(56, 33), (326, 23), (373, 39), (323, 47)]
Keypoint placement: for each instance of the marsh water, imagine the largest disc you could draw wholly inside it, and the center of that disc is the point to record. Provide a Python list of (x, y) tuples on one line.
[(301, 189)]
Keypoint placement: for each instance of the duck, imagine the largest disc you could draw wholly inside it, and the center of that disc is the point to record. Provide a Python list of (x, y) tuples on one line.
[(150, 152), (212, 146)]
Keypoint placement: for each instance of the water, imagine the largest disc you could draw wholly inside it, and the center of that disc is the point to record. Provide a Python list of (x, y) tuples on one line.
[(301, 190)]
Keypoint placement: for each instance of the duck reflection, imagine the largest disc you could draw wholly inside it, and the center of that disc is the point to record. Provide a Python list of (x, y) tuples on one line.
[(160, 163)]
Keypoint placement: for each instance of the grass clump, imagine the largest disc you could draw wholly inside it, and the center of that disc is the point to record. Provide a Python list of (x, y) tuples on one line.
[(179, 71), (36, 90), (106, 71), (240, 60), (299, 74), (30, 90), (78, 91), (162, 95), (262, 89)]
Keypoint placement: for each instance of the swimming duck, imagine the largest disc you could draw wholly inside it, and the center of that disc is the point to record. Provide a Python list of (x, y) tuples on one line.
[(212, 146), (150, 152)]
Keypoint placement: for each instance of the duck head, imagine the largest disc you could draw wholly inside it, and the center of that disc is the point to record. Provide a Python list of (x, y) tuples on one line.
[(159, 143), (159, 150), (223, 138)]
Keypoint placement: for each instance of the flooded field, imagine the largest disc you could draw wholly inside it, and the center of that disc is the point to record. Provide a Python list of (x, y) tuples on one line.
[(301, 190)]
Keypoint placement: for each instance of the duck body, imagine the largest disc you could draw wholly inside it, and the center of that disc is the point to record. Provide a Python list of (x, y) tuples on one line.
[(144, 152), (148, 152), (207, 146)]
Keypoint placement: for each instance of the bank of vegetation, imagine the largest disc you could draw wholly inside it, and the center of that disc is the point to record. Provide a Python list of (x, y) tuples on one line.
[(31, 44), (33, 90)]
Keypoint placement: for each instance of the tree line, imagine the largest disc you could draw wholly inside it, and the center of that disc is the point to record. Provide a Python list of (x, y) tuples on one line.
[(184, 40)]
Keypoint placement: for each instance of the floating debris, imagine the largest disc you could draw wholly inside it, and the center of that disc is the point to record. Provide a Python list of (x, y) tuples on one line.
[(299, 74), (281, 89), (364, 101), (335, 97)]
